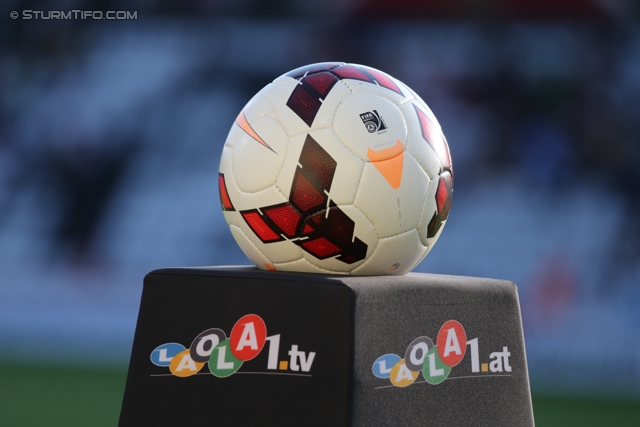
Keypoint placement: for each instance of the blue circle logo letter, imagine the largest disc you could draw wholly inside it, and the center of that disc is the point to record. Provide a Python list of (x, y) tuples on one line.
[(163, 354)]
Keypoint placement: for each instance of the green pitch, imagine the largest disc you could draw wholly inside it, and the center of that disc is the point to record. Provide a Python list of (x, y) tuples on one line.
[(57, 396), (67, 397)]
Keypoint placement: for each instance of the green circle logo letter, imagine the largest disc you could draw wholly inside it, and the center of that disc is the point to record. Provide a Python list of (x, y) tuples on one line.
[(434, 370), (222, 362)]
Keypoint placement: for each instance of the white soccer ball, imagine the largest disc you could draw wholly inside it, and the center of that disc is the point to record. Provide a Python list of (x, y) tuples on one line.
[(336, 168)]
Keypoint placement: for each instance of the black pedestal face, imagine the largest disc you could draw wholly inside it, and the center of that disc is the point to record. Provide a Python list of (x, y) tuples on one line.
[(238, 346)]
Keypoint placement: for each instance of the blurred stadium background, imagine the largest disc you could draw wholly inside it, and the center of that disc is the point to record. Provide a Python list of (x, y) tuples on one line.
[(111, 131)]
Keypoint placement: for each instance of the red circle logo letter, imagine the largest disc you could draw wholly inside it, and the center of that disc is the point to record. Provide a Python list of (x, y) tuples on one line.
[(452, 342), (248, 337)]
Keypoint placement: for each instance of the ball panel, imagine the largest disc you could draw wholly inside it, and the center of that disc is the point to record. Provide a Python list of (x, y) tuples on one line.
[(302, 265), (302, 107), (225, 161), (383, 79), (227, 189), (249, 249), (362, 73), (308, 69), (417, 144), (225, 200), (420, 102), (256, 164), (258, 105), (346, 178), (396, 255), (233, 135), (364, 121), (258, 228), (348, 169), (432, 133), (426, 140), (245, 201), (376, 82), (393, 211), (436, 209), (305, 195), (340, 240), (373, 89), (283, 251)]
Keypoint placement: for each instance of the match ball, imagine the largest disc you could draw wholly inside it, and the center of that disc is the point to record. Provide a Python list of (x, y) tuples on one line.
[(336, 168)]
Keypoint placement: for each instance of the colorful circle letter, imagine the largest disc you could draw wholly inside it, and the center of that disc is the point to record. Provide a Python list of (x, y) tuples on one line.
[(382, 366), (182, 365), (451, 343), (414, 355), (222, 362), (163, 354), (203, 344), (401, 376), (434, 370), (247, 337)]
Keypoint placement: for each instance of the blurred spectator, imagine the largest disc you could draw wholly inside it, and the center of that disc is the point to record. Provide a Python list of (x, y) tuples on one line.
[(84, 175)]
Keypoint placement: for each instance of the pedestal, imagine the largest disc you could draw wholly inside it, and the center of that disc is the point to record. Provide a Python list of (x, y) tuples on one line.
[(239, 346)]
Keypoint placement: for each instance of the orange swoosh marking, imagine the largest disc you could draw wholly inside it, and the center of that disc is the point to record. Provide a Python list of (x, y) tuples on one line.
[(389, 162), (241, 120), (385, 153)]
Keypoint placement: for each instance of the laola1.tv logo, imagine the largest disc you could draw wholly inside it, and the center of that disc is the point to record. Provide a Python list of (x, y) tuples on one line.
[(436, 361), (226, 355)]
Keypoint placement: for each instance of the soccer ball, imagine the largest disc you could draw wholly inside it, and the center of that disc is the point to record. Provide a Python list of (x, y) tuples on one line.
[(336, 168)]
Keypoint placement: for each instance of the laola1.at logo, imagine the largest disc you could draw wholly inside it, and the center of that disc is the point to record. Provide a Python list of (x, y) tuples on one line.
[(436, 361), (226, 355)]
